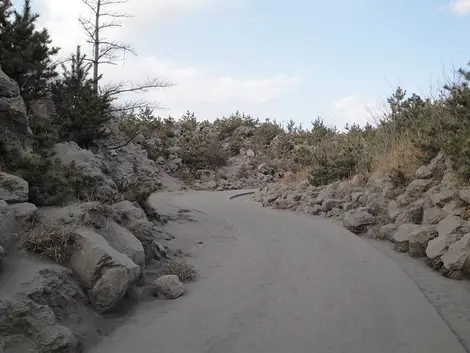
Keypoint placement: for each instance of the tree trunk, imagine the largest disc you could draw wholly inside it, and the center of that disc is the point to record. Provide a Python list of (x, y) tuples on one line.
[(96, 46)]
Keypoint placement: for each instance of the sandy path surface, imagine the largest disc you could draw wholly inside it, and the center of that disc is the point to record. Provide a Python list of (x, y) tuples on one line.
[(279, 282)]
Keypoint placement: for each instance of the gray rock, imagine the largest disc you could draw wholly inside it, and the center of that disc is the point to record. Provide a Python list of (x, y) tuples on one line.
[(433, 215), (265, 169), (250, 153), (2, 253), (329, 204), (464, 195), (401, 236), (443, 198), (437, 247), (327, 192), (393, 210), (168, 287), (101, 269), (457, 257), (91, 166), (450, 180), (24, 211), (418, 187), (15, 133), (449, 225), (124, 241), (36, 325), (454, 208), (411, 214), (423, 172), (13, 188), (386, 232), (438, 164), (419, 239), (126, 210), (358, 221)]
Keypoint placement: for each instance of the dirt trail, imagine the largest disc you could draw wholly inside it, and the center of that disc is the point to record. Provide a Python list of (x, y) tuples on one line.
[(279, 282)]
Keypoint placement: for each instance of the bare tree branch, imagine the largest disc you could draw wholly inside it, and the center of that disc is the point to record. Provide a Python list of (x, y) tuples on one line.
[(127, 87), (107, 51)]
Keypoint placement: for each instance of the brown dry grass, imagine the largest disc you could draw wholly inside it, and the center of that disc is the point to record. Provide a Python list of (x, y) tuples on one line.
[(295, 179), (50, 239), (397, 153), (180, 268)]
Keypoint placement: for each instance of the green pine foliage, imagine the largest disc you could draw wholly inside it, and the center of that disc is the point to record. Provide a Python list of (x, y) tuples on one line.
[(81, 112), (25, 52)]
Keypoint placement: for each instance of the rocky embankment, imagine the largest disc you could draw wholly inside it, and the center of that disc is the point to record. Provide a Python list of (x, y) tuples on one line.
[(427, 217), (66, 263)]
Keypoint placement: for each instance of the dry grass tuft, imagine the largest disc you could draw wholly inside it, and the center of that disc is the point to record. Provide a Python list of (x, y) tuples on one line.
[(180, 268), (397, 154), (295, 179), (50, 239)]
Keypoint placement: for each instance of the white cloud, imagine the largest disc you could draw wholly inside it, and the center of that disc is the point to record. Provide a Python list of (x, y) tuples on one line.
[(460, 7), (194, 86), (351, 110)]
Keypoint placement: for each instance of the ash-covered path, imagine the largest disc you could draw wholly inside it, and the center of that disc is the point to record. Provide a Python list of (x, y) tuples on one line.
[(278, 282)]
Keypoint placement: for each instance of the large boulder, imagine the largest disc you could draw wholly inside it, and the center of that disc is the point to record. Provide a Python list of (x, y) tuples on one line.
[(124, 241), (418, 187), (438, 246), (13, 188), (449, 225), (358, 221), (90, 166), (419, 239), (444, 197), (386, 232), (30, 327), (401, 236), (433, 215), (168, 287), (132, 170), (458, 255), (15, 133), (103, 271)]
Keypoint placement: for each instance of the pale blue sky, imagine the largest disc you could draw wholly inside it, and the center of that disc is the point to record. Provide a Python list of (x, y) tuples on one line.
[(282, 59)]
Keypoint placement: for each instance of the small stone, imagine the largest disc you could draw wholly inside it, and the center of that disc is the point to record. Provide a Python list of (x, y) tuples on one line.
[(168, 287), (423, 173), (2, 253)]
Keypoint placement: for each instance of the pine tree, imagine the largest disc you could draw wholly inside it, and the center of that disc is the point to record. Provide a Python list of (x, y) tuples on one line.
[(25, 53), (81, 111)]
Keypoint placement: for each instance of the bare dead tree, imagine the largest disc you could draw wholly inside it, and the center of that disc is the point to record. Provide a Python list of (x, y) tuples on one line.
[(106, 51)]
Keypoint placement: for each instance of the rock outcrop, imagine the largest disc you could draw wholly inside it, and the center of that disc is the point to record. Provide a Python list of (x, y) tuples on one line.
[(425, 218), (13, 188), (15, 133)]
